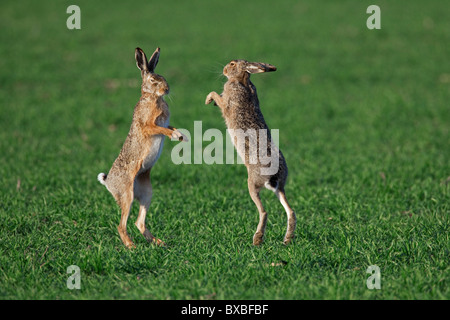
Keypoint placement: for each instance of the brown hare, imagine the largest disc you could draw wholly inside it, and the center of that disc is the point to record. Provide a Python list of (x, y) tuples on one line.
[(240, 109), (129, 177)]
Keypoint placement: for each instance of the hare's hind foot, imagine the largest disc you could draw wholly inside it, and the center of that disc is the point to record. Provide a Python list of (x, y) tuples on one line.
[(153, 240), (126, 238), (159, 242), (258, 238), (290, 214), (292, 222), (288, 239)]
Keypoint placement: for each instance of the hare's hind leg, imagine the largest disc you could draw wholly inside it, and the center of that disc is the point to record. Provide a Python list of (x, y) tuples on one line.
[(143, 193), (254, 194), (125, 201), (291, 218)]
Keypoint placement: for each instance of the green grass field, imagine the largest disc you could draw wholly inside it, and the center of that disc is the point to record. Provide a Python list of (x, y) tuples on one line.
[(364, 125)]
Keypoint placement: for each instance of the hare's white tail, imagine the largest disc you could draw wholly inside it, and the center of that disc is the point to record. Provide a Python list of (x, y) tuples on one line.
[(101, 178)]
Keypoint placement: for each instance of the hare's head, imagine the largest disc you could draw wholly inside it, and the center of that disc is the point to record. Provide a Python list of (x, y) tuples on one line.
[(241, 69), (151, 82)]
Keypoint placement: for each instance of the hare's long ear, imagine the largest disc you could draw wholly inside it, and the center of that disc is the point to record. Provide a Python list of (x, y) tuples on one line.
[(141, 59), (258, 67), (153, 60)]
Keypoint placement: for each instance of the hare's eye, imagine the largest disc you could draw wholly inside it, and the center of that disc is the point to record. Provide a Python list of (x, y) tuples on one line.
[(232, 64)]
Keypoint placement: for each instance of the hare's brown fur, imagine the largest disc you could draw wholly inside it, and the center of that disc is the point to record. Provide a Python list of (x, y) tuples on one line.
[(129, 176), (240, 108)]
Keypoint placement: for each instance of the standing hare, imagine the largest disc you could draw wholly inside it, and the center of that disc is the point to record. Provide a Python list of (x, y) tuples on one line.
[(129, 177), (240, 109)]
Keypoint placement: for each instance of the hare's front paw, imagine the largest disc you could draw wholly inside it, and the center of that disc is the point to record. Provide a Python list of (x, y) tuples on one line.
[(177, 135), (209, 98)]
